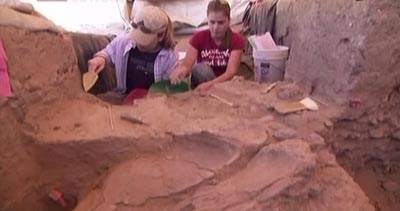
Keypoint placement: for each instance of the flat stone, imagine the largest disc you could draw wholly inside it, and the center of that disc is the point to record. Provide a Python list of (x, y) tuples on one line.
[(328, 123), (377, 133), (315, 139), (373, 121), (275, 168), (390, 186), (190, 160), (18, 111), (32, 86), (17, 85), (138, 180), (396, 135), (326, 157), (394, 121), (381, 118), (285, 133), (3, 101)]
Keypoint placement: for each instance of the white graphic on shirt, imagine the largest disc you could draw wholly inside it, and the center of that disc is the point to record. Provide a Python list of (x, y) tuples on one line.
[(141, 65), (215, 57)]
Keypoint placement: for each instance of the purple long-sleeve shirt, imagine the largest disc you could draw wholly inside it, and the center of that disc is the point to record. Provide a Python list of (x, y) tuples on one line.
[(117, 52)]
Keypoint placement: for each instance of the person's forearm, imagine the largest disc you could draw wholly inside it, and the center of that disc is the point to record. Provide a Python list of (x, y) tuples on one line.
[(103, 54), (224, 77), (186, 68)]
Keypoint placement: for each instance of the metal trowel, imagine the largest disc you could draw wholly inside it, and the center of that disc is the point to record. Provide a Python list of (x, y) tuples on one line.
[(89, 79)]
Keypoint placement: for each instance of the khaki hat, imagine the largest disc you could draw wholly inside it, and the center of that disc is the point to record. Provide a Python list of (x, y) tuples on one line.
[(147, 23)]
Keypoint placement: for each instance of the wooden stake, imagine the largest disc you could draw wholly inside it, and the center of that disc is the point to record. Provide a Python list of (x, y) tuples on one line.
[(221, 99), (132, 119), (269, 88), (110, 117)]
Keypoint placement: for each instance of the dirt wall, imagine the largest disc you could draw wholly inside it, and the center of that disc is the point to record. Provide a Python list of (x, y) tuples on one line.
[(14, 160), (341, 49), (42, 68), (348, 52)]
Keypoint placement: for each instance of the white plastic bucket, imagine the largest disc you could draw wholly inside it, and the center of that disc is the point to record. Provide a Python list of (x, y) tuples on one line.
[(270, 64)]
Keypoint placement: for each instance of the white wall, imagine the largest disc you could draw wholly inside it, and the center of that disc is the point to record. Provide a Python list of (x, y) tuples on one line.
[(104, 16), (83, 15)]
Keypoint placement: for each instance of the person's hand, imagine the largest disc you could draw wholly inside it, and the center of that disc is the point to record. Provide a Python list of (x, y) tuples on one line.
[(178, 75), (97, 64), (204, 86)]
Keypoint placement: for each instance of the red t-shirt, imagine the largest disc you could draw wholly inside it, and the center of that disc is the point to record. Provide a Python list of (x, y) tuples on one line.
[(216, 57)]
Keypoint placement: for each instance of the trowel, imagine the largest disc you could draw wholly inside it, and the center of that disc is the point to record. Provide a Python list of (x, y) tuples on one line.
[(290, 107), (89, 79)]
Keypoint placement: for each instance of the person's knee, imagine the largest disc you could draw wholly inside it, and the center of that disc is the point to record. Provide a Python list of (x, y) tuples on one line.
[(203, 71)]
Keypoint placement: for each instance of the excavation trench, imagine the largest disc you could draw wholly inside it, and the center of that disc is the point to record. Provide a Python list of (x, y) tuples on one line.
[(76, 167)]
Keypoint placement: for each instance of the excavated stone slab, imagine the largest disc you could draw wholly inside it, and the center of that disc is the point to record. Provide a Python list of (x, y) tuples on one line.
[(281, 176), (185, 164)]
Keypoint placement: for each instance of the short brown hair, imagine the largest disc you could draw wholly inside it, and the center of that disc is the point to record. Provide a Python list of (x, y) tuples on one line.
[(219, 6)]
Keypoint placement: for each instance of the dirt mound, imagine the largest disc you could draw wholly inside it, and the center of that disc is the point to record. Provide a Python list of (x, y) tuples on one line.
[(192, 152), (42, 67)]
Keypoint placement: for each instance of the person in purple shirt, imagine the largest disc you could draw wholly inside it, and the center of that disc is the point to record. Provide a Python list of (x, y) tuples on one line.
[(143, 56)]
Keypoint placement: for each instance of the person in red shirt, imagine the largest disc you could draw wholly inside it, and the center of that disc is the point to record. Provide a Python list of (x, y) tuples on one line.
[(214, 54)]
